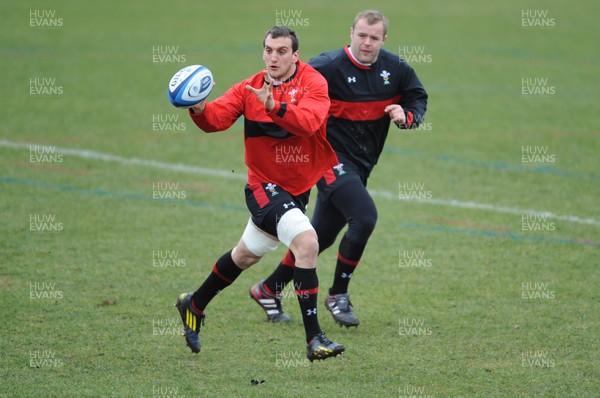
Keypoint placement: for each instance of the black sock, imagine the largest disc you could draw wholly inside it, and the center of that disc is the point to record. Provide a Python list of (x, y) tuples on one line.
[(282, 275), (348, 257), (306, 284), (223, 274)]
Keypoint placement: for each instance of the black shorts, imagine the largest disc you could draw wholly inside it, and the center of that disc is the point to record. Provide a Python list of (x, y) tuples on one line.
[(339, 175), (268, 202)]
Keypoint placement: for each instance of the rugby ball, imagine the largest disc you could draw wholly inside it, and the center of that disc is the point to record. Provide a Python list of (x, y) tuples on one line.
[(190, 86)]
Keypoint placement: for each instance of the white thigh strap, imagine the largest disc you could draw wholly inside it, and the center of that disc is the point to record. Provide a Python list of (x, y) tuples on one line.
[(257, 242)]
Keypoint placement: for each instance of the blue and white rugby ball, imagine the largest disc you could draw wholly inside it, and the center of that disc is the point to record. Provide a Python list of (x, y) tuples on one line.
[(190, 86)]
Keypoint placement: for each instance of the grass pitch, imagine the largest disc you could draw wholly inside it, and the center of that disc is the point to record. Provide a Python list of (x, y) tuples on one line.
[(486, 287)]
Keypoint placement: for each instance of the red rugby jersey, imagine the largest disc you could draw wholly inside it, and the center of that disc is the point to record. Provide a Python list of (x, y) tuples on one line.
[(286, 146)]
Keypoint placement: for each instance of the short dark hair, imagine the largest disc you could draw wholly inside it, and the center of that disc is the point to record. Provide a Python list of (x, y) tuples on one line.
[(282, 31), (372, 17)]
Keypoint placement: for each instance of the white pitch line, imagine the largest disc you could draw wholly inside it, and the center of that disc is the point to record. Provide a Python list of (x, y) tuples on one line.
[(88, 154), (489, 207)]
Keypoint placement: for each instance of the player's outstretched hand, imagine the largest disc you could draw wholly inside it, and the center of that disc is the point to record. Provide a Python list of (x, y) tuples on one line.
[(265, 93), (199, 107)]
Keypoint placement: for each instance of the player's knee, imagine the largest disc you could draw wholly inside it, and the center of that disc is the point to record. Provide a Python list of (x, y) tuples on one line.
[(361, 226), (242, 257), (305, 247), (295, 231), (307, 242), (368, 221)]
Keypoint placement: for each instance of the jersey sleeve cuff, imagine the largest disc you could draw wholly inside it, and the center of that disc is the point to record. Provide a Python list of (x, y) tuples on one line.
[(192, 112), (409, 119), (279, 109)]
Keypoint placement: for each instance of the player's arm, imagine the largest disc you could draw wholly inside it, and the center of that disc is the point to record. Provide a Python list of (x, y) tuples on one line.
[(413, 102), (221, 113)]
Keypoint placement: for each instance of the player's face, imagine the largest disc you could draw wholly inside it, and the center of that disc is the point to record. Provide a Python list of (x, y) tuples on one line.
[(279, 57), (366, 40)]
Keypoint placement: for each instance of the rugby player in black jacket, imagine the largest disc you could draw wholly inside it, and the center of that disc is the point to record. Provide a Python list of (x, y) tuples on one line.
[(369, 88)]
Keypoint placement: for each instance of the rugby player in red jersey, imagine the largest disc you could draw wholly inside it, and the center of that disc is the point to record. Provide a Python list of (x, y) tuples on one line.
[(285, 111)]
